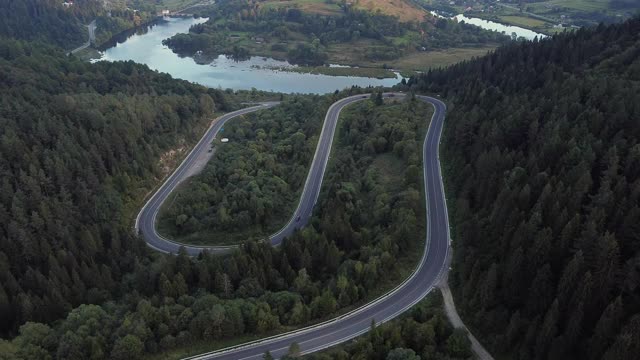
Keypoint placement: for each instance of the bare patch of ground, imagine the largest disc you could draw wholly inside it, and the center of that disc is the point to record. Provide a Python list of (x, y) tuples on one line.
[(200, 162), (455, 320), (169, 160)]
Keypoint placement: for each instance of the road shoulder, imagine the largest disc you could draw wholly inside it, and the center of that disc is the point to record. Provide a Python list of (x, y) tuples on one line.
[(452, 314)]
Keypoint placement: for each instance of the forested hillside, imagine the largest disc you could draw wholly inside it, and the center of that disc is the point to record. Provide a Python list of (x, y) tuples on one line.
[(350, 35), (79, 146), (65, 26), (44, 20), (542, 152), (423, 332), (73, 241), (251, 186)]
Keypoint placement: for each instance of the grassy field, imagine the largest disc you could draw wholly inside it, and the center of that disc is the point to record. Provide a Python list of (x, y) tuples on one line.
[(88, 54), (523, 21), (423, 61), (311, 6), (581, 5), (176, 4), (411, 60), (403, 9)]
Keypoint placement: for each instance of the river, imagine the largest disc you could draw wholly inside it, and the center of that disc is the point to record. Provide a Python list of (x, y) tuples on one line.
[(506, 29), (494, 26), (146, 47)]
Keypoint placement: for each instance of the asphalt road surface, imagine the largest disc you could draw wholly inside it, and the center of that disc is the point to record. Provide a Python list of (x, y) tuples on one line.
[(357, 322), (92, 38), (146, 220)]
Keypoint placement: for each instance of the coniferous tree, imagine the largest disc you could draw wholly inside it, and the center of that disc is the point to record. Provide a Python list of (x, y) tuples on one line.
[(543, 159)]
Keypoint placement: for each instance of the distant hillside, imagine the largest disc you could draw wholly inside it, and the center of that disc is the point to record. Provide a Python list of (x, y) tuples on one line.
[(404, 10), (46, 20), (65, 26), (316, 33)]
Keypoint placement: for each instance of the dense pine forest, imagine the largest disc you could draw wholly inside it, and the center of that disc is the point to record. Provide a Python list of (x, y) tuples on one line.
[(68, 203), (542, 152), (45, 20), (542, 161), (50, 21), (251, 186), (422, 333), (79, 149)]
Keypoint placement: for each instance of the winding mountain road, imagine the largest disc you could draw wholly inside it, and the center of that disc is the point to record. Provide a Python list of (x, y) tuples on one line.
[(348, 326), (146, 220), (92, 38)]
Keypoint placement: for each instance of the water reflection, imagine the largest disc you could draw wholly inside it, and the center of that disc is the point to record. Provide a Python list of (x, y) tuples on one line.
[(145, 47), (507, 29)]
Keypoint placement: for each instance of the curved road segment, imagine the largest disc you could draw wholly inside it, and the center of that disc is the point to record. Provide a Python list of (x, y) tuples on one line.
[(146, 220), (356, 322), (92, 38)]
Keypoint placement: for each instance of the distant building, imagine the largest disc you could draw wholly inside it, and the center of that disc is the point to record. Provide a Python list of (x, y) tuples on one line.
[(166, 12)]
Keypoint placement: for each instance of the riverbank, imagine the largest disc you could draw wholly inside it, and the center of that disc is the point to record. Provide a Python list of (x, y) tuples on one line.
[(145, 47), (345, 61), (124, 35), (93, 49), (359, 39), (348, 59), (548, 17), (523, 21), (343, 70)]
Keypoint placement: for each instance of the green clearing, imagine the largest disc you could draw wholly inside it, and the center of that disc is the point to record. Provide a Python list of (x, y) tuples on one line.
[(423, 61), (411, 60), (175, 4), (88, 54), (311, 6), (523, 21), (581, 5)]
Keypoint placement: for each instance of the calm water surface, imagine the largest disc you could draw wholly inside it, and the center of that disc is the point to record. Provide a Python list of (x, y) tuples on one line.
[(495, 26), (507, 29), (257, 72)]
